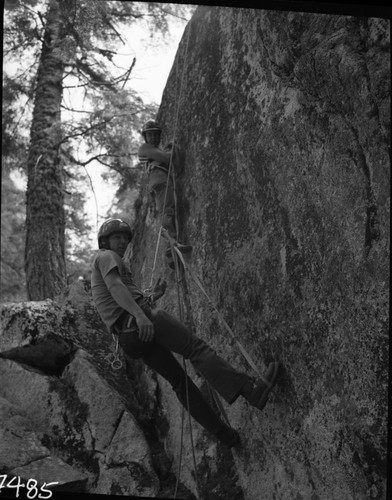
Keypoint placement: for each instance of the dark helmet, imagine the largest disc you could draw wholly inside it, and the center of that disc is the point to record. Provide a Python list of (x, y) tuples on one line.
[(150, 125), (111, 226)]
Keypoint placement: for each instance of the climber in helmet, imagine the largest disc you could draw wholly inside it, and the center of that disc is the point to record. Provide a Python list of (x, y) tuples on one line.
[(154, 335), (113, 238), (160, 184)]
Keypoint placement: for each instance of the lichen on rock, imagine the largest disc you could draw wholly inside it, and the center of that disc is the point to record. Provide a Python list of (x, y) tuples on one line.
[(284, 118), (285, 199)]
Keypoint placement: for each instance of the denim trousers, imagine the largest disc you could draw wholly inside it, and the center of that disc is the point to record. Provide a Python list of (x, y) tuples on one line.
[(172, 336)]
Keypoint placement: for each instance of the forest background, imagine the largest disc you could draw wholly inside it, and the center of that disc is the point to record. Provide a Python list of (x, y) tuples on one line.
[(72, 111)]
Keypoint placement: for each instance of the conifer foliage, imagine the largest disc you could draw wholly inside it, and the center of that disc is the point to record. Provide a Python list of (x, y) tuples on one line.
[(69, 47)]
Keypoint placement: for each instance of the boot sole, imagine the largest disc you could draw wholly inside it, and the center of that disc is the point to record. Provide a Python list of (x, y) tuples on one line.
[(274, 372)]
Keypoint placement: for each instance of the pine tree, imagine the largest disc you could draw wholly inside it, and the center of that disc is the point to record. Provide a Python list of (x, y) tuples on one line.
[(78, 38), (45, 218)]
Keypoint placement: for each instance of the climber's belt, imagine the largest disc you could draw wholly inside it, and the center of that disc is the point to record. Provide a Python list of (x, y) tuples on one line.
[(121, 324)]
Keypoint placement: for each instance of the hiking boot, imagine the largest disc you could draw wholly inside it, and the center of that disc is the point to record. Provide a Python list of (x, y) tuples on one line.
[(256, 391), (228, 436)]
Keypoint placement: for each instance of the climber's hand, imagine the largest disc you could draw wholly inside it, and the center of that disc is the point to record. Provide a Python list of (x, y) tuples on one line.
[(146, 328), (169, 146), (159, 289)]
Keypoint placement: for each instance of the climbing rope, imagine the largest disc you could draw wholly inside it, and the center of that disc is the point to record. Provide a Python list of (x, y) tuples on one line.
[(170, 170), (170, 177), (179, 282), (227, 327), (179, 275), (182, 284)]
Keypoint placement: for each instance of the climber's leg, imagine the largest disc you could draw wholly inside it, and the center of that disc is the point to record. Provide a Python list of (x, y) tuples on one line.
[(256, 391), (228, 382), (165, 203), (163, 362), (174, 336)]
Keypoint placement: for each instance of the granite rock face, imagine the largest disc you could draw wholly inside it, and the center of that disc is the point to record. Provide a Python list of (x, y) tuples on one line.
[(284, 118), (67, 417), (284, 121)]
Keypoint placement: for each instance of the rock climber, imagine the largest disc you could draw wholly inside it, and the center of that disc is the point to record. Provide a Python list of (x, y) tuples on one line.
[(160, 183), (154, 335)]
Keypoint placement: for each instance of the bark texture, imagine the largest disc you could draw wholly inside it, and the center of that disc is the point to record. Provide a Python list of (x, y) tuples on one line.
[(45, 223)]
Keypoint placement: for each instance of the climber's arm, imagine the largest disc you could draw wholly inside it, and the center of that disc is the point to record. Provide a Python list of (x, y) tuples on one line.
[(152, 153), (124, 299)]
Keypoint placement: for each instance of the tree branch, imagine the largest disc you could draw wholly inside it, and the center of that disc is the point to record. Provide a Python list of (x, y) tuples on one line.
[(107, 53), (95, 78), (77, 110), (85, 131), (92, 189), (105, 18), (85, 85), (84, 163), (129, 72), (165, 11)]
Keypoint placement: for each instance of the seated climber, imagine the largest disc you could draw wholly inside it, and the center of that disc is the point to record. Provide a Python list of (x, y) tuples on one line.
[(156, 162), (154, 336)]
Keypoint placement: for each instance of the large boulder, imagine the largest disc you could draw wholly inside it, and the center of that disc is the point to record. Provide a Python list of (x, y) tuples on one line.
[(285, 119), (67, 415), (77, 431), (22, 453)]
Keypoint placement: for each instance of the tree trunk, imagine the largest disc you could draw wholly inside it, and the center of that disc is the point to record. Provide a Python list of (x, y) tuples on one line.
[(45, 221)]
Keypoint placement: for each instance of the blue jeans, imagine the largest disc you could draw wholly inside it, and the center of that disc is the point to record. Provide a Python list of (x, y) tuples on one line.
[(172, 335)]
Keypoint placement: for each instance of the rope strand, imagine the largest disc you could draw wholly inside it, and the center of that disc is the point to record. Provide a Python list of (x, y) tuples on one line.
[(232, 334), (170, 170), (178, 274), (171, 174)]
